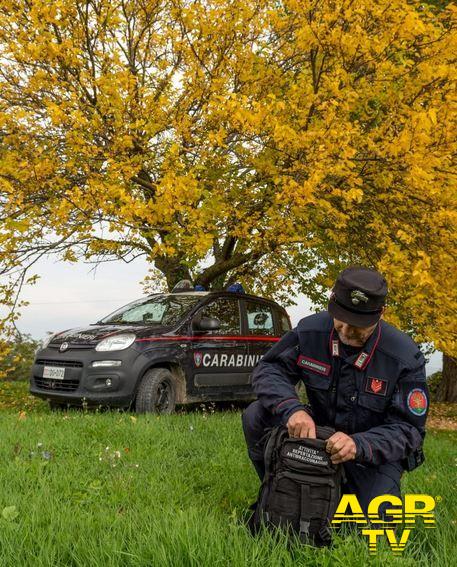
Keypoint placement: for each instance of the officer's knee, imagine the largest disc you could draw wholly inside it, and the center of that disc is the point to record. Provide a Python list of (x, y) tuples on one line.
[(368, 483)]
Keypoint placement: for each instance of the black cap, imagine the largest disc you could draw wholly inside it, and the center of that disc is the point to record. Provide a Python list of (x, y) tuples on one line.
[(358, 296)]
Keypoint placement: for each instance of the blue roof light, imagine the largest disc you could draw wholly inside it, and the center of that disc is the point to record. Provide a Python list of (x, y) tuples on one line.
[(236, 287)]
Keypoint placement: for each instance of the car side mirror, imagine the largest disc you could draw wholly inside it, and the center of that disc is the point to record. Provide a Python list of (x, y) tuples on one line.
[(206, 324)]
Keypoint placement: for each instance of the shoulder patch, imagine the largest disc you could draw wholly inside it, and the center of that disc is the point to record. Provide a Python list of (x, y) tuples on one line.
[(314, 365), (417, 401)]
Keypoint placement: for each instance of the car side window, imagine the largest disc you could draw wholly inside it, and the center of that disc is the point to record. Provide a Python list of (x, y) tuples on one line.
[(227, 311), (260, 319), (284, 324)]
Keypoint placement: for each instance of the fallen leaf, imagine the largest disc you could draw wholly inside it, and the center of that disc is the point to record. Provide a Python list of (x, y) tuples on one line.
[(10, 513)]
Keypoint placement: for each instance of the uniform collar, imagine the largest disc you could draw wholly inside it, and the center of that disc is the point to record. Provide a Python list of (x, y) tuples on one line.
[(360, 360)]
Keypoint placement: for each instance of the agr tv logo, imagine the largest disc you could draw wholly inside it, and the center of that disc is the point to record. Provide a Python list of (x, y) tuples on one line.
[(414, 506)]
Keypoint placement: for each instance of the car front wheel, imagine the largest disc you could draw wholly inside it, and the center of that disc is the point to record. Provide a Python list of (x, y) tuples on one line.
[(156, 392)]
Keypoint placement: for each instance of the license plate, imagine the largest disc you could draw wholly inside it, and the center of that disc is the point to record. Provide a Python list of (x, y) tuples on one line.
[(54, 372)]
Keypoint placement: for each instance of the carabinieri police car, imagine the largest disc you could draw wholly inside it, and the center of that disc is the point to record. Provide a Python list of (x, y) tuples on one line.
[(168, 348)]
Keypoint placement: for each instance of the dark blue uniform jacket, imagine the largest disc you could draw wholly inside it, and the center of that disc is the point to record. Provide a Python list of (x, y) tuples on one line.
[(378, 396)]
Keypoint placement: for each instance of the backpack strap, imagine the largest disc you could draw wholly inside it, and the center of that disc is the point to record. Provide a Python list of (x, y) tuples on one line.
[(276, 436), (273, 436), (309, 510), (305, 515)]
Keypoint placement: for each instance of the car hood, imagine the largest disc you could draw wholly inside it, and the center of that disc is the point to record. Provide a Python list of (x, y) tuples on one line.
[(95, 333)]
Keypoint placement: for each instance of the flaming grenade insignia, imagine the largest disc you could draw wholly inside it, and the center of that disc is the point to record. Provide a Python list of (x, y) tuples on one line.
[(357, 296)]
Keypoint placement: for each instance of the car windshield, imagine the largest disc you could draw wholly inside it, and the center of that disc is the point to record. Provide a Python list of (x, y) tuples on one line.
[(157, 310)]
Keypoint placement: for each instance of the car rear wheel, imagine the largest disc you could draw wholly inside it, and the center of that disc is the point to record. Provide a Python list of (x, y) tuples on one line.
[(157, 392)]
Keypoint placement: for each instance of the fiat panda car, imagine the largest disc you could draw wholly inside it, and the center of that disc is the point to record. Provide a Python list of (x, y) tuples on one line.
[(159, 351)]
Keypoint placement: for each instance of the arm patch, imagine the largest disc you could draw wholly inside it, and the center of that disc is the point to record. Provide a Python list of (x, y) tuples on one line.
[(417, 401)]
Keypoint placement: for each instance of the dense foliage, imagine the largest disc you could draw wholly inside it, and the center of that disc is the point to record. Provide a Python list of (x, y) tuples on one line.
[(263, 141), (17, 362)]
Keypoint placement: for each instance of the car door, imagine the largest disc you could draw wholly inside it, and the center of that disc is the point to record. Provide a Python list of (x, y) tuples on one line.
[(220, 356), (261, 329)]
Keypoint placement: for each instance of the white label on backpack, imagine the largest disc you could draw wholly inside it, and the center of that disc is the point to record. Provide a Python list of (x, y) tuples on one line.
[(307, 455)]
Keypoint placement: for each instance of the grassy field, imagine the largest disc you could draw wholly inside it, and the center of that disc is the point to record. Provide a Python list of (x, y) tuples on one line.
[(114, 489)]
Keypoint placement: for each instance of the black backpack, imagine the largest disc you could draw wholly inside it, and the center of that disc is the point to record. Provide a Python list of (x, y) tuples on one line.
[(301, 487)]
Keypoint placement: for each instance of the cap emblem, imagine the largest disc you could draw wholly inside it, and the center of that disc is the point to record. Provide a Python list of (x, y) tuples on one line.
[(357, 296)]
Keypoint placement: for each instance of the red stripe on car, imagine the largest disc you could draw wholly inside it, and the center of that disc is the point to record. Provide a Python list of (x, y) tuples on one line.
[(212, 338)]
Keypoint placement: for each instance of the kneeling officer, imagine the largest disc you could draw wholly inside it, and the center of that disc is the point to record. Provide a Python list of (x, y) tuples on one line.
[(363, 377)]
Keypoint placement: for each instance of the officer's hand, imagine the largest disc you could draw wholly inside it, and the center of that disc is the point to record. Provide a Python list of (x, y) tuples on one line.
[(341, 448), (301, 424)]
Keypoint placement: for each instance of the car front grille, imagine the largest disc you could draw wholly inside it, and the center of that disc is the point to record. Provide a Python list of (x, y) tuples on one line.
[(53, 385), (72, 346), (64, 363), (56, 385)]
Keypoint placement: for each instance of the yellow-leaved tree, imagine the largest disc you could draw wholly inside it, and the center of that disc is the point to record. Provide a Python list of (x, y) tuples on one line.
[(268, 142)]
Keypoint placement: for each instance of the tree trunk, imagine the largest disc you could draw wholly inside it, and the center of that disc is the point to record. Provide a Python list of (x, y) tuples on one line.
[(173, 270), (212, 277), (448, 388)]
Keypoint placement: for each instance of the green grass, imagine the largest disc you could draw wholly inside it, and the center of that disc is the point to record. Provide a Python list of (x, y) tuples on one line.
[(14, 395), (111, 489)]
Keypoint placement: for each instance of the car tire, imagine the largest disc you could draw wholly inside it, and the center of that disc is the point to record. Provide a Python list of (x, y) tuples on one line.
[(156, 392)]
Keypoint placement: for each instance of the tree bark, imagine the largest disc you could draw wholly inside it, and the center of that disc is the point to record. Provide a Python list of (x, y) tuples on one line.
[(222, 267), (173, 270), (211, 277), (447, 391)]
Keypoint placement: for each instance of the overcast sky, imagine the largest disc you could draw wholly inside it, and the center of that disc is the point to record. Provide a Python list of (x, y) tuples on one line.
[(70, 295)]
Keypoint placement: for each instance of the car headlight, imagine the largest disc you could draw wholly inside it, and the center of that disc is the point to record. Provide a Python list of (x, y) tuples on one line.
[(116, 342), (45, 342)]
